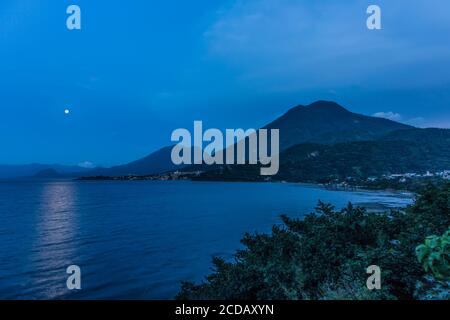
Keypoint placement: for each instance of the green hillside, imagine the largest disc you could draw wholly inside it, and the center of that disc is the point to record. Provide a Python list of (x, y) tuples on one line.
[(416, 151)]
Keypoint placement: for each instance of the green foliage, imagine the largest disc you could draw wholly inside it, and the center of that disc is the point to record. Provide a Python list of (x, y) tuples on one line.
[(434, 255), (413, 150), (325, 255)]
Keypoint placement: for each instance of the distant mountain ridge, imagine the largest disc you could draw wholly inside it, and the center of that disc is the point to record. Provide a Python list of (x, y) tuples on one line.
[(322, 123), (30, 170), (156, 162)]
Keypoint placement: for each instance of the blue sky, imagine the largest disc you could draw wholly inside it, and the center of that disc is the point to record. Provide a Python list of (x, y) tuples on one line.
[(140, 69)]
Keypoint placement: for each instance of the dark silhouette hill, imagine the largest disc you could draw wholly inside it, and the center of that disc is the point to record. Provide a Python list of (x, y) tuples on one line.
[(327, 122), (156, 162), (321, 122)]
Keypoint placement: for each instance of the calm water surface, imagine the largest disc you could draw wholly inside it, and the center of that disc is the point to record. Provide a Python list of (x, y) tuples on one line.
[(137, 240)]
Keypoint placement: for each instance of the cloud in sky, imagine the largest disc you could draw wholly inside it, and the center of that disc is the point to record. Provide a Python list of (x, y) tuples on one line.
[(388, 115), (302, 44), (86, 164), (419, 122), (231, 63)]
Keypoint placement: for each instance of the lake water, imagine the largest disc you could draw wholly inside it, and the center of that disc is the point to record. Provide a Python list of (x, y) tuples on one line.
[(137, 239)]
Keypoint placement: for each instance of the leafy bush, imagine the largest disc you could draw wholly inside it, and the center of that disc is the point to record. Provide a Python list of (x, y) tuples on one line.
[(434, 255), (325, 255)]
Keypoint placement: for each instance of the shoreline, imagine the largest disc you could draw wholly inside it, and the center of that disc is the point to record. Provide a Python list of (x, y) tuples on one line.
[(369, 206), (332, 186)]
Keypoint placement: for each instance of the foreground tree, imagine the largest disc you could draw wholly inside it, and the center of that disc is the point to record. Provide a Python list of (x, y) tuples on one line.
[(325, 255)]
